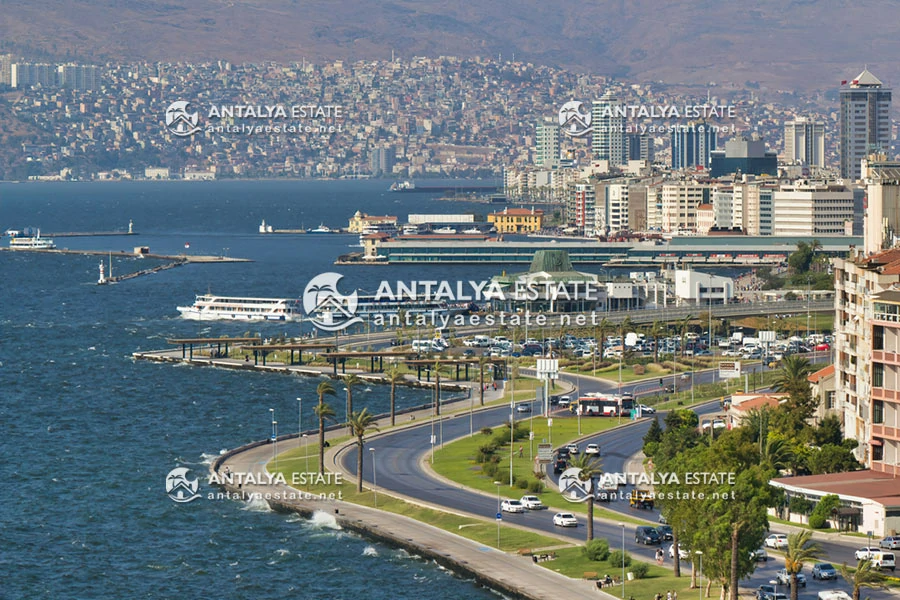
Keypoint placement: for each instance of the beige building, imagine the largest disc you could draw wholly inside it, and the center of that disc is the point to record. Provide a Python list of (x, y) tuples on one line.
[(517, 220), (360, 222), (810, 209), (882, 219), (679, 205)]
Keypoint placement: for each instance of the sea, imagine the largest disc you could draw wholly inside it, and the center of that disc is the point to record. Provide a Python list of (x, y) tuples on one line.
[(89, 434)]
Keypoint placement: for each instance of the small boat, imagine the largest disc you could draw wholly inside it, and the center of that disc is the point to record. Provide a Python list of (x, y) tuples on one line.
[(445, 231), (472, 231), (321, 229)]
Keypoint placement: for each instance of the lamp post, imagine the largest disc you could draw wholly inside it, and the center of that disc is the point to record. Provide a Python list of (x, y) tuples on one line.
[(306, 451), (299, 421), (498, 484), (699, 553), (622, 525), (275, 443), (374, 478)]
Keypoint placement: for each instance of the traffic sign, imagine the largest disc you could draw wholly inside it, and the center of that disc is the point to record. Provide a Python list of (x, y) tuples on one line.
[(499, 516)]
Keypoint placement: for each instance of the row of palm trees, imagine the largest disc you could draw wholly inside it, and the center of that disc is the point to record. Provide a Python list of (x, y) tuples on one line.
[(801, 549)]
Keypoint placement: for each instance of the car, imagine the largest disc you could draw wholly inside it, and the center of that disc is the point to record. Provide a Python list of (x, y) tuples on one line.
[(682, 553), (834, 595), (572, 448), (662, 520), (824, 571), (646, 410), (560, 465), (759, 555), (523, 408), (892, 542), (823, 347), (670, 389), (468, 352), (512, 506), (865, 553), (665, 532), (592, 449), (564, 401), (784, 578), (565, 520), (777, 540), (471, 343), (765, 592), (532, 503), (646, 535), (563, 453), (702, 353), (883, 560)]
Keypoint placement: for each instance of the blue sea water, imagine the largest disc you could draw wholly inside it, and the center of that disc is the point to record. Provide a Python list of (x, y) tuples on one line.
[(89, 433)]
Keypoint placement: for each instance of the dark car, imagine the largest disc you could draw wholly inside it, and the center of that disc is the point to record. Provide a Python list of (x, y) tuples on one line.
[(559, 465), (646, 535), (665, 532), (563, 453)]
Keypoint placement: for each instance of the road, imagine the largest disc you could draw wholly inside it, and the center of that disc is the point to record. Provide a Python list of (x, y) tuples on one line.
[(398, 469)]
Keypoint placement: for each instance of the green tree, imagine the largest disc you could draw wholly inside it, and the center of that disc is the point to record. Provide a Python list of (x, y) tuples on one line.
[(394, 376), (800, 550), (865, 576), (831, 458), (657, 330), (360, 424), (351, 382), (323, 411), (589, 466), (824, 507)]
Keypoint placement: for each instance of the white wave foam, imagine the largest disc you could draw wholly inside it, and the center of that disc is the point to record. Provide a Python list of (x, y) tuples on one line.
[(282, 552), (323, 520), (257, 504), (370, 551), (206, 459)]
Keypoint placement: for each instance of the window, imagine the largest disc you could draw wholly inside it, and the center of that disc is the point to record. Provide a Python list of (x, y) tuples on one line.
[(877, 375), (829, 399), (877, 452), (878, 411), (878, 337)]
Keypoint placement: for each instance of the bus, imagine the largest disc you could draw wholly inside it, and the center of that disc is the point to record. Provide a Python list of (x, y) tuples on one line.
[(602, 405)]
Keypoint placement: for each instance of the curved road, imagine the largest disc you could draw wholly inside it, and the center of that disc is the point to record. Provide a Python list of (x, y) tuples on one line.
[(399, 454)]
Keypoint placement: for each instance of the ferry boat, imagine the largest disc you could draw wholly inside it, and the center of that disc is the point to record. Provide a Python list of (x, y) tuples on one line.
[(31, 243), (321, 229), (211, 308)]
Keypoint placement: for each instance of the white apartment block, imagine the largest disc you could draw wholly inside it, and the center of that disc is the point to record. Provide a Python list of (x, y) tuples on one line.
[(810, 209), (679, 205), (612, 210), (804, 142), (882, 218)]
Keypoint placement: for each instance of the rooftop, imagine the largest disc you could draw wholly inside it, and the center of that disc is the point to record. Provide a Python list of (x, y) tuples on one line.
[(865, 485), (821, 374)]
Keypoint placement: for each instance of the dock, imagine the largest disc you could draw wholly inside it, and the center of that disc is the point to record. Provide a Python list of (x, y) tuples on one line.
[(63, 234)]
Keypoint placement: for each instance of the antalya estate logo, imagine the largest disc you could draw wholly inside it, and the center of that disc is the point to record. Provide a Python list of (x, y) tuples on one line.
[(572, 487), (179, 488), (327, 308), (574, 119), (179, 121)]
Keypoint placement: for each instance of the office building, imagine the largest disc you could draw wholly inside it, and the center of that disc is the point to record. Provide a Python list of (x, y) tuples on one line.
[(608, 137), (640, 147), (680, 203), (865, 117), (692, 145), (745, 156), (804, 142), (811, 209), (547, 147), (882, 217)]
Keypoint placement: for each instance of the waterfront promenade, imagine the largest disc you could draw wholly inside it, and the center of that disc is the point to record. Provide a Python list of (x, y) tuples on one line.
[(513, 575)]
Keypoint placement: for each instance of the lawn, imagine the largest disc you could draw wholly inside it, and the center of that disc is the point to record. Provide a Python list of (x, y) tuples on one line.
[(456, 461), (479, 530), (572, 563)]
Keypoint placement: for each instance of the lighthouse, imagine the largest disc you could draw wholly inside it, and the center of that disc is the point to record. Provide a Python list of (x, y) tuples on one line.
[(102, 280)]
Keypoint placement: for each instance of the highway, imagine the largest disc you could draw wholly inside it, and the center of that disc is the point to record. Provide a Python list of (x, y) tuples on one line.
[(399, 454)]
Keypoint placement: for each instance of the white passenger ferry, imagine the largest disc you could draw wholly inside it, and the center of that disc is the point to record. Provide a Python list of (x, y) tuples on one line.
[(211, 308), (31, 243)]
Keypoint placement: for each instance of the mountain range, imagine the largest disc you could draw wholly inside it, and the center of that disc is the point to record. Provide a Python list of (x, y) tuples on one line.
[(780, 44)]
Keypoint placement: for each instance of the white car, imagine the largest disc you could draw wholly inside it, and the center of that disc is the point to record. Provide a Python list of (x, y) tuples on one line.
[(532, 503), (732, 353), (646, 410), (573, 448), (682, 553), (592, 449), (777, 540), (565, 520), (512, 506), (865, 553)]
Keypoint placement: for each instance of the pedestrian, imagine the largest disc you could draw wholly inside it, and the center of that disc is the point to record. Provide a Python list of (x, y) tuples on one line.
[(521, 449), (674, 595), (669, 595)]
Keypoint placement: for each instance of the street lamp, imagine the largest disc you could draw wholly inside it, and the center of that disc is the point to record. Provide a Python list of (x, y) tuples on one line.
[(299, 421), (275, 443), (498, 484), (622, 525), (306, 451), (374, 479), (699, 553)]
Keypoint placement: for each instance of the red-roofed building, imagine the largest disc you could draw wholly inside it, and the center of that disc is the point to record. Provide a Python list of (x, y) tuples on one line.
[(823, 389), (870, 500), (867, 355)]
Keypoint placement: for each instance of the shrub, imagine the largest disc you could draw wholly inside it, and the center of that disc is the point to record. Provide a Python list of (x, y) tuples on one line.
[(640, 570), (639, 369), (487, 431), (490, 469), (818, 517), (596, 549), (617, 557), (535, 487), (522, 483)]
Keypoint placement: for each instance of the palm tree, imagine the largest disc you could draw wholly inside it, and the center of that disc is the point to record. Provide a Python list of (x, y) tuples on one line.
[(603, 326), (800, 550), (350, 382), (360, 423), (865, 575), (437, 369), (792, 377), (657, 330), (323, 411), (589, 466), (483, 361), (394, 376)]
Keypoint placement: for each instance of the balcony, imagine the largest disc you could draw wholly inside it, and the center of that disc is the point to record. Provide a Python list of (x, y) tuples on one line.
[(882, 431), (888, 358), (884, 394)]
